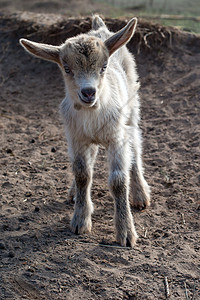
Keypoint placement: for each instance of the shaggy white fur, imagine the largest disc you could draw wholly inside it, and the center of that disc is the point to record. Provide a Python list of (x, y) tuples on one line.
[(101, 106)]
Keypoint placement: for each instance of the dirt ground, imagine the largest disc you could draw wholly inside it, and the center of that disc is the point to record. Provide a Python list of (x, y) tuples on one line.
[(39, 256)]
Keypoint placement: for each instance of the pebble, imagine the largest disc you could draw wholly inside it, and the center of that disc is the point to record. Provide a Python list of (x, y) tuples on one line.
[(2, 246), (11, 254), (9, 151), (28, 194)]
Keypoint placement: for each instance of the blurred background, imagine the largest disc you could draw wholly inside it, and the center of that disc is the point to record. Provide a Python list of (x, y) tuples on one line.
[(184, 14)]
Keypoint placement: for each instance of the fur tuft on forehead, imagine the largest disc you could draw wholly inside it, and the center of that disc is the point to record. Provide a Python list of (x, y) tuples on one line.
[(87, 47), (85, 51)]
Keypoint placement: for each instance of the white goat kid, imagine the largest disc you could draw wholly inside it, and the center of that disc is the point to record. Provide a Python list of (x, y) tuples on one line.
[(101, 107)]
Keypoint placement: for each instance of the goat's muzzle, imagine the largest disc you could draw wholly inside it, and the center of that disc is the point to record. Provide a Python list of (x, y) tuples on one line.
[(88, 95)]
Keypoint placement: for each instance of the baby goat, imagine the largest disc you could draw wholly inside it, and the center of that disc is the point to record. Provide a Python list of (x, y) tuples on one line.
[(101, 106)]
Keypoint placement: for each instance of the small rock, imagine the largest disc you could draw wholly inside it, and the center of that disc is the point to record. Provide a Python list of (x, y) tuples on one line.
[(166, 235), (53, 149), (5, 227), (11, 254), (7, 184), (23, 219), (37, 209), (31, 269), (9, 151), (2, 245), (147, 255), (28, 194)]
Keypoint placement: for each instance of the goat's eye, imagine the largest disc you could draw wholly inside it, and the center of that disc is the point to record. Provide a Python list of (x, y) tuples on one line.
[(67, 69), (103, 68)]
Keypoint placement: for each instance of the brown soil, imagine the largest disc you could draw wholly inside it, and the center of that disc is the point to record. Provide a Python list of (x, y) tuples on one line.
[(39, 256)]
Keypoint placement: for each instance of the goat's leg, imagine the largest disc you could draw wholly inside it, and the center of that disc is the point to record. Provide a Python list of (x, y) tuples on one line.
[(72, 189), (120, 161), (139, 186), (83, 208)]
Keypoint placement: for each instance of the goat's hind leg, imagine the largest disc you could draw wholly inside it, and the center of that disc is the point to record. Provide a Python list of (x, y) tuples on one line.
[(83, 208), (72, 191), (139, 186)]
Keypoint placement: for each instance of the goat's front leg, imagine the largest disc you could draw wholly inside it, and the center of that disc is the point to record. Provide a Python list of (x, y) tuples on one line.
[(92, 151), (82, 168), (120, 162)]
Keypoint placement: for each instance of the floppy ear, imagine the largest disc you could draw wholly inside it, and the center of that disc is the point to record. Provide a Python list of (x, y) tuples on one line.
[(122, 37), (47, 52)]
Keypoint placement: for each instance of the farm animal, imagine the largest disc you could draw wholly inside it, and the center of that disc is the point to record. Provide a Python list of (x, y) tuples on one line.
[(101, 107)]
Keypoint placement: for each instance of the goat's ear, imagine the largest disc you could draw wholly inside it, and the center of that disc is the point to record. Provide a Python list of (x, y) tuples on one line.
[(47, 52), (97, 22), (121, 37)]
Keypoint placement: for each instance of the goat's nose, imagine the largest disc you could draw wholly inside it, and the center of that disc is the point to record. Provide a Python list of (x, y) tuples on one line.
[(89, 93)]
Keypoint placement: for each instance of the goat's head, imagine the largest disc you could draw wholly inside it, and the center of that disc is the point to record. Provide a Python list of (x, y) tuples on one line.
[(83, 60)]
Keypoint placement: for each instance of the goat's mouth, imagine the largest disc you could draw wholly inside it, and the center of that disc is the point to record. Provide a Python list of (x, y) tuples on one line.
[(88, 102)]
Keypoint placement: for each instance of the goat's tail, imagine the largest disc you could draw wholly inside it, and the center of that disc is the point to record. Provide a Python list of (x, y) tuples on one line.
[(97, 22)]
